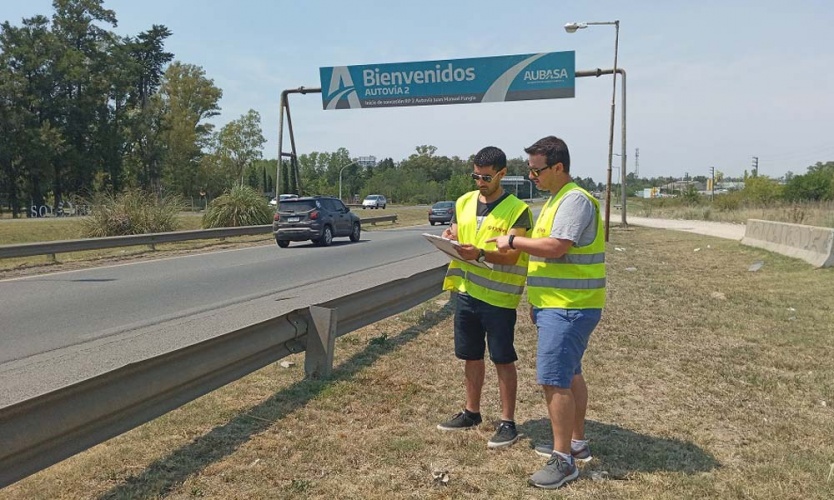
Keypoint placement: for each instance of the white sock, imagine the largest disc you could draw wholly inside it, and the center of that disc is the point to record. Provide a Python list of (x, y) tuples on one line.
[(578, 444), (568, 458)]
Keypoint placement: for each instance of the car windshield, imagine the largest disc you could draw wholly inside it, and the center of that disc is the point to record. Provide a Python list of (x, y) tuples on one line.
[(444, 204), (372, 198), (296, 205)]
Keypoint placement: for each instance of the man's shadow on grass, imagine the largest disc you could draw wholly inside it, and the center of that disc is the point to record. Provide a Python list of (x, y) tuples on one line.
[(621, 452), (163, 475)]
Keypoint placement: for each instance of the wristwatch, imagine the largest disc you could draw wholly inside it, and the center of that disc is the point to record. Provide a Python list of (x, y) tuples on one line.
[(481, 255)]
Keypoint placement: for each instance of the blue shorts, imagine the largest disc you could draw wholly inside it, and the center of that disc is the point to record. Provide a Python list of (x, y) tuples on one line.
[(563, 338), (477, 324)]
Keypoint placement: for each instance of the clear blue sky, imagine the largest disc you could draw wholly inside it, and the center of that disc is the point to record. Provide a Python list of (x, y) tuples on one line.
[(710, 83)]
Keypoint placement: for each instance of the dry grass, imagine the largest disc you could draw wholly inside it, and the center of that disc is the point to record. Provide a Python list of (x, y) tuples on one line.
[(811, 213), (707, 381)]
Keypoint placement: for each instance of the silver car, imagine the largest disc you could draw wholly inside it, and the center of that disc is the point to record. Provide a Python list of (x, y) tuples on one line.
[(374, 201)]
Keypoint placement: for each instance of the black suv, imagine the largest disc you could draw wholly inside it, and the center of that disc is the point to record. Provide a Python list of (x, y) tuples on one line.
[(317, 218)]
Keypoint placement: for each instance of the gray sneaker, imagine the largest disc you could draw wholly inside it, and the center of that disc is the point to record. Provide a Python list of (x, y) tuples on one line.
[(505, 435), (582, 455), (555, 474), (460, 422)]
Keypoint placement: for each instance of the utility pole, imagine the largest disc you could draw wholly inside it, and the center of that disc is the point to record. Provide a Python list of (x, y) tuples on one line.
[(712, 184), (755, 166)]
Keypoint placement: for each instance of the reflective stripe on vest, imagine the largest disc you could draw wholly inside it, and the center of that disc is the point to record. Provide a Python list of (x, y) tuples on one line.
[(503, 285), (568, 258), (577, 279), (566, 283), (486, 282)]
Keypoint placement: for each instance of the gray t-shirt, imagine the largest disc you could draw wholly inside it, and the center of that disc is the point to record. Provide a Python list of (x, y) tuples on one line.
[(575, 220)]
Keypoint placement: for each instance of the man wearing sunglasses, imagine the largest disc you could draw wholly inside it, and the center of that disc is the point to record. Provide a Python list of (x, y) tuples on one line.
[(487, 298), (566, 291)]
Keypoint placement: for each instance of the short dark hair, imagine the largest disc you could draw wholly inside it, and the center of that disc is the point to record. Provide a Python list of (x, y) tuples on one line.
[(554, 149), (491, 156)]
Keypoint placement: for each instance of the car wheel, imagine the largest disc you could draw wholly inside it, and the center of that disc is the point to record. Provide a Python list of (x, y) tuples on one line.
[(282, 243), (364, 207), (326, 237), (383, 207), (357, 231), (431, 222)]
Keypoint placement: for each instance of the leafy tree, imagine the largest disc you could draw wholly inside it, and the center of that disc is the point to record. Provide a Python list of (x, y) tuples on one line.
[(761, 190), (241, 142), (817, 184), (188, 99), (143, 121)]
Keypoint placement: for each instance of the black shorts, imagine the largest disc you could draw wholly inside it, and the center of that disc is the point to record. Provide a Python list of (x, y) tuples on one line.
[(478, 324)]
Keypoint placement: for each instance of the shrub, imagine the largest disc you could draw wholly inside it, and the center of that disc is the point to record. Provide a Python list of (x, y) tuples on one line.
[(691, 196), (132, 212), (761, 190), (240, 206), (795, 213), (727, 202)]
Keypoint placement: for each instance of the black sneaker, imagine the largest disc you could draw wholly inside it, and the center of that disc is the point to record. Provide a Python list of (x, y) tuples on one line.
[(555, 474), (581, 455), (461, 422), (505, 435)]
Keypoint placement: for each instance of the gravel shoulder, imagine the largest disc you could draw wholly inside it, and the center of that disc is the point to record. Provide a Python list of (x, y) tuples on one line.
[(717, 229)]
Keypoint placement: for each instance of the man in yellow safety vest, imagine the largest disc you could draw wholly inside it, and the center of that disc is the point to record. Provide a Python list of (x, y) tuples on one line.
[(486, 296), (566, 291)]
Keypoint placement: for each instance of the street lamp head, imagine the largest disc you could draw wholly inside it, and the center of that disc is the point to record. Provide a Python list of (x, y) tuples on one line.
[(572, 27)]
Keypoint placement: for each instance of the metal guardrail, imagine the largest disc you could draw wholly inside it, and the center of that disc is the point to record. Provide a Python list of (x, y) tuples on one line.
[(381, 218), (41, 431), (56, 247)]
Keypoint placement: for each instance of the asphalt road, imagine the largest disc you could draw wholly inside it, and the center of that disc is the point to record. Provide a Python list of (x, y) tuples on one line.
[(62, 327), (59, 328)]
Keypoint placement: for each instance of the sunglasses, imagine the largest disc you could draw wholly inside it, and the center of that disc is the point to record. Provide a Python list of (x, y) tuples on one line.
[(485, 178), (536, 171)]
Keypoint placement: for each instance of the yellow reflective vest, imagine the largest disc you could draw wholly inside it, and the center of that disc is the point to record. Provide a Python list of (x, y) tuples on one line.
[(575, 280), (503, 285)]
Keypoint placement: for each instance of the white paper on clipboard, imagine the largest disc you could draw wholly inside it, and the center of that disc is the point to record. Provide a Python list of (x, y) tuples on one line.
[(447, 246)]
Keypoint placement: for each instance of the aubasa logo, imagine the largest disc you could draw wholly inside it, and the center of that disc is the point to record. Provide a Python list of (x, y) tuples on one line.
[(341, 86), (546, 74)]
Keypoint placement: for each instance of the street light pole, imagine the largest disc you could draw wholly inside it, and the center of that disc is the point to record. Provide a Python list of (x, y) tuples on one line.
[(340, 177), (571, 28)]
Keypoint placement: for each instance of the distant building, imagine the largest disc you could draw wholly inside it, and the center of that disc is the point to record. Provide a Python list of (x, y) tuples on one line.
[(680, 186), (730, 186)]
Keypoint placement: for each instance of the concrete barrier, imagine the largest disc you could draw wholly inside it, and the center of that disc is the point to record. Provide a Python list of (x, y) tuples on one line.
[(812, 244)]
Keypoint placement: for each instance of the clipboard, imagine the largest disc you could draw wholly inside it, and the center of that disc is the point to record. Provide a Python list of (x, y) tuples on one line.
[(448, 247)]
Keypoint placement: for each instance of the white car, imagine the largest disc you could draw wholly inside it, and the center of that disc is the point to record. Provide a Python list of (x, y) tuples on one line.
[(374, 201), (281, 197)]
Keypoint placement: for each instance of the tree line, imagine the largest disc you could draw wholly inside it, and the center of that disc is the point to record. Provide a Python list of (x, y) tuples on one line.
[(84, 110)]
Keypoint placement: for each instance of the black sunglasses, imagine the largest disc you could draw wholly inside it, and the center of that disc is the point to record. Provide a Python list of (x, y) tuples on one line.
[(536, 171), (485, 178)]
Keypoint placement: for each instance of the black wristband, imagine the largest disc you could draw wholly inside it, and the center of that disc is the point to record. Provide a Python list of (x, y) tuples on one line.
[(510, 241)]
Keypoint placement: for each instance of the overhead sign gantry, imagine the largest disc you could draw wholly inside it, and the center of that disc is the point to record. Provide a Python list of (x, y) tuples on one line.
[(452, 81)]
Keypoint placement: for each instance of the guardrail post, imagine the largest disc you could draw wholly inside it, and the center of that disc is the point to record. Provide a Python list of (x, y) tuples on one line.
[(321, 342)]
